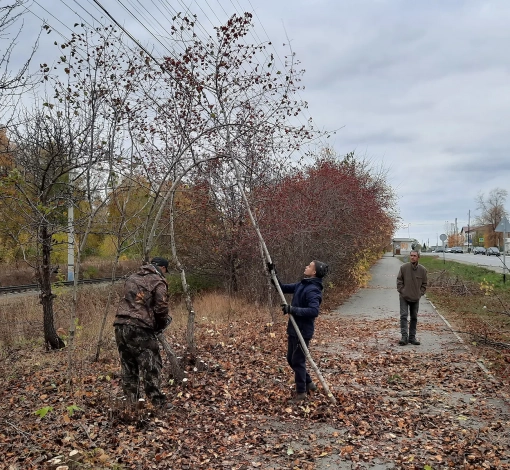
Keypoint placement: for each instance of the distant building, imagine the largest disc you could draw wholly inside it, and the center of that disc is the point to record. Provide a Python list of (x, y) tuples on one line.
[(477, 235), (403, 246)]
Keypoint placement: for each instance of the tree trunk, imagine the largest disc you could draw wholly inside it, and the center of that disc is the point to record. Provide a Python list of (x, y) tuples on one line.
[(51, 339), (190, 329), (107, 308)]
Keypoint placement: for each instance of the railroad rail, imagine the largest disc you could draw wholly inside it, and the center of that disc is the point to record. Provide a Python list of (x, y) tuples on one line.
[(4, 290)]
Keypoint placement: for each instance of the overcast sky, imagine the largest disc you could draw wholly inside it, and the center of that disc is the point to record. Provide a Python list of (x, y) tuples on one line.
[(421, 87)]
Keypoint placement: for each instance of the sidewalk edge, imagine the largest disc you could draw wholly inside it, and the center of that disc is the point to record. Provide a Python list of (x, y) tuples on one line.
[(466, 347)]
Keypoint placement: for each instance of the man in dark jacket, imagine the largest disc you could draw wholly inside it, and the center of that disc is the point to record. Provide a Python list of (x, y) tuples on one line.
[(305, 309), (411, 285), (141, 315)]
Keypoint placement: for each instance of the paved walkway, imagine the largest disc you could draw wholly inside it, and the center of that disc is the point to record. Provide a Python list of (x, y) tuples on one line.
[(379, 300)]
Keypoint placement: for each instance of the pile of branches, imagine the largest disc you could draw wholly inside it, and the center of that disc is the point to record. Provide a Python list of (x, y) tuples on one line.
[(486, 341), (454, 285)]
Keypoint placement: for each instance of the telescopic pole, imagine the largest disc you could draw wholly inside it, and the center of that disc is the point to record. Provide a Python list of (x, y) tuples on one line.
[(273, 276)]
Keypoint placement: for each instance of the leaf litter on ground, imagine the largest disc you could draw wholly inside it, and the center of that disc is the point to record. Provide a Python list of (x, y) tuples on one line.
[(403, 408)]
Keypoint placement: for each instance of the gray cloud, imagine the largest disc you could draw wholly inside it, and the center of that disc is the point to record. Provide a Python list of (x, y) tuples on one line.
[(384, 136)]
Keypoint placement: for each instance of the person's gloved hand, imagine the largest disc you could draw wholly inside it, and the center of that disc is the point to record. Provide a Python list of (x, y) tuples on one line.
[(286, 309), (162, 324), (270, 267)]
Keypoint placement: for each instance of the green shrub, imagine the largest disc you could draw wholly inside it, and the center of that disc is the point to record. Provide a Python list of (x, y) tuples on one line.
[(197, 283), (90, 272)]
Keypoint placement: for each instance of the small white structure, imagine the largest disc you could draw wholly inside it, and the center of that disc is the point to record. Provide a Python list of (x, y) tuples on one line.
[(403, 246)]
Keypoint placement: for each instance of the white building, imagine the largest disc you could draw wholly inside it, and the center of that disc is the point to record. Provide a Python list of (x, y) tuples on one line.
[(403, 246)]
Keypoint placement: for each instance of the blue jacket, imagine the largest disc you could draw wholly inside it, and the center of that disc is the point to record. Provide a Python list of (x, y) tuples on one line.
[(305, 304)]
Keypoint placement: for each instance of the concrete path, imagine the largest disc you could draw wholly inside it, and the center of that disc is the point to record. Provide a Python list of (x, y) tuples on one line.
[(379, 300)]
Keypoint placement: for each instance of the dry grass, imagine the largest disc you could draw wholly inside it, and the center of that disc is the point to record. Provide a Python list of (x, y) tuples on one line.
[(217, 307), (22, 274), (21, 317), (21, 322)]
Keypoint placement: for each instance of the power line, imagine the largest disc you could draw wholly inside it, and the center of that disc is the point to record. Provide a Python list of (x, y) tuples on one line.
[(142, 23), (127, 33), (100, 7)]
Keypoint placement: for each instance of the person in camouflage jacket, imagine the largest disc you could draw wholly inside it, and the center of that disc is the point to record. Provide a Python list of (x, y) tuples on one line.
[(142, 314)]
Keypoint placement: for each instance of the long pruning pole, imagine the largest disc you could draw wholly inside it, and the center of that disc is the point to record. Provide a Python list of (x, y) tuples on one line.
[(323, 382), (175, 367)]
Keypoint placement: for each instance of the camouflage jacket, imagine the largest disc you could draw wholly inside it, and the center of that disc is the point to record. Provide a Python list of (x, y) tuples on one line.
[(145, 301)]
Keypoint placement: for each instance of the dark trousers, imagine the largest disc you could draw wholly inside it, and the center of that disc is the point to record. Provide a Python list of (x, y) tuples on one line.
[(139, 357), (297, 361), (408, 309)]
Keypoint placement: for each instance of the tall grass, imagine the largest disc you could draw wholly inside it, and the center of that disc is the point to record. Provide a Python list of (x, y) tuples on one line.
[(21, 322)]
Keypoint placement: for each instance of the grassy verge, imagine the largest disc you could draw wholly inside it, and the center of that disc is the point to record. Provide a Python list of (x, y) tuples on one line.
[(466, 272)]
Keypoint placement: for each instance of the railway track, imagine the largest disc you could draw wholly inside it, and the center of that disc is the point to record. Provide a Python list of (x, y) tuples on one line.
[(5, 290)]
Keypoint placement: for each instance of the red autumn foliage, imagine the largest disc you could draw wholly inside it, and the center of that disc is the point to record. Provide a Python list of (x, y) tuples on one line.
[(335, 210)]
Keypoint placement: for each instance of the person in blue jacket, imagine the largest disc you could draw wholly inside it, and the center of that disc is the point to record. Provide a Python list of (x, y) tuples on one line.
[(304, 308)]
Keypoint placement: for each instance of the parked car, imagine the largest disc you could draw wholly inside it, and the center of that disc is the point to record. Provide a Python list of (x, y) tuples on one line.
[(479, 250), (448, 250), (493, 250), (438, 250), (457, 249)]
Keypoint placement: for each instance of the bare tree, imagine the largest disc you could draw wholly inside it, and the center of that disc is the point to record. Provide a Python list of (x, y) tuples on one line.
[(13, 82), (38, 192), (492, 210)]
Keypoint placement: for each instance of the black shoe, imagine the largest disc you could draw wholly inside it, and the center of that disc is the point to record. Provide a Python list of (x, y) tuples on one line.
[(403, 342), (159, 401), (311, 387), (414, 341), (298, 398)]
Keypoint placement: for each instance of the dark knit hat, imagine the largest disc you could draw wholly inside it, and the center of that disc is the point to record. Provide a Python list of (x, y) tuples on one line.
[(321, 269), (158, 261)]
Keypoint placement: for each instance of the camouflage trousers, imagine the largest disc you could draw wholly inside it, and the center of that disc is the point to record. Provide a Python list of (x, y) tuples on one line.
[(139, 358)]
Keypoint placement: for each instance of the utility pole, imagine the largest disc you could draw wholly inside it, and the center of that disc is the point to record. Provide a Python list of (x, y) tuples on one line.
[(70, 236), (469, 232), (505, 230), (70, 243)]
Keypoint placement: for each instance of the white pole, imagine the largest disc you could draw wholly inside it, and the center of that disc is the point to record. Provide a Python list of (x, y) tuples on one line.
[(70, 242), (505, 228)]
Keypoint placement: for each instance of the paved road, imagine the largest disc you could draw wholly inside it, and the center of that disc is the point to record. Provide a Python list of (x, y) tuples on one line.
[(495, 263)]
